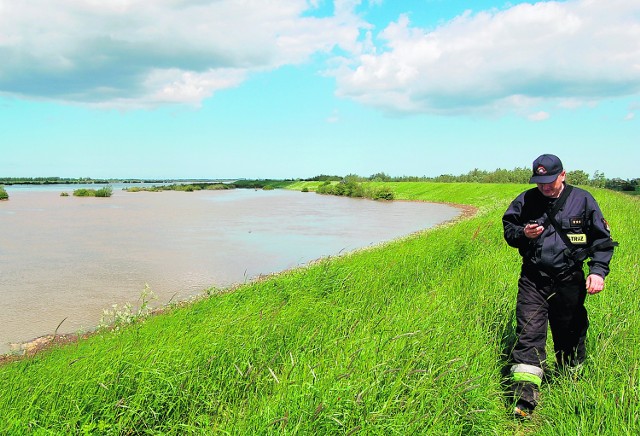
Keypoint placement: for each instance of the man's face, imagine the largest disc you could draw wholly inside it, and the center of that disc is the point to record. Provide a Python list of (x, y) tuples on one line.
[(553, 189)]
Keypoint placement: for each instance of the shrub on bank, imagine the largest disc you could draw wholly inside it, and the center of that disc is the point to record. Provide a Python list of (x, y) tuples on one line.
[(355, 189), (3, 193), (381, 193)]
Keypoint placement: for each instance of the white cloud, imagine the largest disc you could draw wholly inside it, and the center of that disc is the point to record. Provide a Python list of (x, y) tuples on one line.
[(144, 53), (568, 53), (539, 116), (150, 52)]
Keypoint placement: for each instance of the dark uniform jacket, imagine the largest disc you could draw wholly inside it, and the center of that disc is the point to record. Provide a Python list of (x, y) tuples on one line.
[(579, 217)]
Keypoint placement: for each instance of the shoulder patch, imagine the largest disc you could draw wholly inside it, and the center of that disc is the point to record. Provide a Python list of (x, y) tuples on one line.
[(606, 225)]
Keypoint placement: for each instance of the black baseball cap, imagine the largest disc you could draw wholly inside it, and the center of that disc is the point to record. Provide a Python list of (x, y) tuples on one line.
[(546, 169)]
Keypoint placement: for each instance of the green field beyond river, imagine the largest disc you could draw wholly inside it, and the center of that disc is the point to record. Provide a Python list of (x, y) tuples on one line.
[(409, 337)]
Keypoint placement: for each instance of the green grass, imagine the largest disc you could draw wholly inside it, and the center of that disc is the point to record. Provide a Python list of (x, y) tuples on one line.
[(405, 338)]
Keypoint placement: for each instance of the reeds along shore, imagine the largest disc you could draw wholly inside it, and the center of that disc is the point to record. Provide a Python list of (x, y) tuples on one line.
[(410, 337)]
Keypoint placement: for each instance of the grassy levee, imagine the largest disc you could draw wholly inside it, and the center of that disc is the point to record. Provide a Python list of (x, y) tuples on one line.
[(405, 338)]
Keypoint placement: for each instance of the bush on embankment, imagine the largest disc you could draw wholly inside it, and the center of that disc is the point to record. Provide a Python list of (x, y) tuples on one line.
[(355, 189), (3, 193), (405, 338)]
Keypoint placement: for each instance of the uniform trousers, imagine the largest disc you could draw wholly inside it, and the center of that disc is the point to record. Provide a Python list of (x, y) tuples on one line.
[(555, 301)]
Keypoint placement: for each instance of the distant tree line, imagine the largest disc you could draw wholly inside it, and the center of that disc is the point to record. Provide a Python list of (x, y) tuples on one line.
[(262, 183), (517, 175), (348, 183), (51, 181), (324, 178), (630, 186), (85, 181)]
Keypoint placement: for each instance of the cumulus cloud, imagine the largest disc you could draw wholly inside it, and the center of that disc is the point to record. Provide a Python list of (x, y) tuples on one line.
[(564, 53), (145, 53), (150, 52)]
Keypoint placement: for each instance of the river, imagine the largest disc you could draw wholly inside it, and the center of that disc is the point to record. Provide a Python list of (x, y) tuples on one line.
[(69, 258)]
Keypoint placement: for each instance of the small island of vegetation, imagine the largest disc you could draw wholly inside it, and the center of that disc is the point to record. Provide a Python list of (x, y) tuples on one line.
[(3, 193), (85, 192)]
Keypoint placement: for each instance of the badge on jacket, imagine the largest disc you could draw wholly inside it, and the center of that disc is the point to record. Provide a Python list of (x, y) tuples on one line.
[(578, 238)]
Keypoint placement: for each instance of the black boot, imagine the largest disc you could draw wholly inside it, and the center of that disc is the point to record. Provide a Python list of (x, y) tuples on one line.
[(526, 396)]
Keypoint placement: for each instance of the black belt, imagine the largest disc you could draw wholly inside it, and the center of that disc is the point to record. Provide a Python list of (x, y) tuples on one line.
[(558, 276)]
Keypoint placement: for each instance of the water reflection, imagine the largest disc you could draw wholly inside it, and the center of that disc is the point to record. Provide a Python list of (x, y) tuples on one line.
[(69, 257)]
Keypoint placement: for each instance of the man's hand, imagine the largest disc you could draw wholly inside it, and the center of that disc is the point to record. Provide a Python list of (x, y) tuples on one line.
[(532, 231), (595, 284)]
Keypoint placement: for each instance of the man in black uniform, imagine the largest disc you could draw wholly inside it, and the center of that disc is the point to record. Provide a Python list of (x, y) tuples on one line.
[(555, 227)]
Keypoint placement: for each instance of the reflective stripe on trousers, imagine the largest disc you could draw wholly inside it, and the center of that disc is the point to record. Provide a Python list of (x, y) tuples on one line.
[(522, 372)]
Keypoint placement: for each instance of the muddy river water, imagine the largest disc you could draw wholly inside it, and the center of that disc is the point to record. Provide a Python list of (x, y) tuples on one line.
[(69, 258)]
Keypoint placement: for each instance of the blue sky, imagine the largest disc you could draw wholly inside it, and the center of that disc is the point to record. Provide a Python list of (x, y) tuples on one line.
[(297, 88)]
